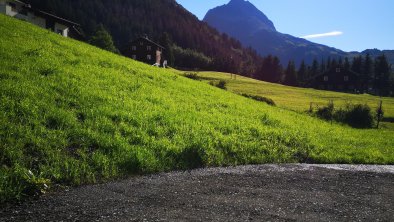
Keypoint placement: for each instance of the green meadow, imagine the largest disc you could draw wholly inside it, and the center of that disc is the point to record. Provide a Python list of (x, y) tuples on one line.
[(300, 99), (73, 114)]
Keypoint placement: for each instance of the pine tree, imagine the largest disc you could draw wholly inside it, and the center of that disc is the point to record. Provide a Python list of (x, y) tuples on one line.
[(392, 85), (102, 39), (367, 70), (291, 74), (314, 68), (168, 53), (270, 70), (302, 73), (340, 62), (334, 64), (322, 66), (328, 64), (346, 64), (277, 69), (382, 75), (357, 64)]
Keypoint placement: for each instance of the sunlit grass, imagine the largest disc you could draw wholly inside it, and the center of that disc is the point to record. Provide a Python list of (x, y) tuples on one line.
[(300, 99)]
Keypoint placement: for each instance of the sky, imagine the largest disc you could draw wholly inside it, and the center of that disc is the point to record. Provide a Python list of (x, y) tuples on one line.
[(349, 25)]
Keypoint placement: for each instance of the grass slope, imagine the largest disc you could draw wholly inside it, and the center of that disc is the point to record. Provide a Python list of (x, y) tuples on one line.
[(72, 114), (299, 99)]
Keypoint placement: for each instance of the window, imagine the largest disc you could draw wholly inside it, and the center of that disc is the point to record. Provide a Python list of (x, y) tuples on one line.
[(134, 48), (338, 70), (325, 78), (346, 78), (149, 48), (149, 57), (141, 43), (59, 31), (134, 56), (13, 6)]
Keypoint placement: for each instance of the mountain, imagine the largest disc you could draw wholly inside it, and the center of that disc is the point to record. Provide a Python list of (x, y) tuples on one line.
[(237, 14), (242, 20), (376, 52), (127, 20)]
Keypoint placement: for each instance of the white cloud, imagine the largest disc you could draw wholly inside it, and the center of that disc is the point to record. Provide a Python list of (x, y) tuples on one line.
[(334, 33)]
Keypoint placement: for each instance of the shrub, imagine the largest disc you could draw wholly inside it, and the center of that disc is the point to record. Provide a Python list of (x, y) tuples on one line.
[(191, 75), (260, 99), (326, 112), (221, 84), (379, 114), (359, 116)]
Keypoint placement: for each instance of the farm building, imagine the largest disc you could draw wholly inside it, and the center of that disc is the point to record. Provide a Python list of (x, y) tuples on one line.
[(145, 50), (338, 79), (23, 11)]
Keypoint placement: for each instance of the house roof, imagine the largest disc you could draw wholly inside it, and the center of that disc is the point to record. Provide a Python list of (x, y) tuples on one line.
[(46, 14), (20, 2), (146, 39)]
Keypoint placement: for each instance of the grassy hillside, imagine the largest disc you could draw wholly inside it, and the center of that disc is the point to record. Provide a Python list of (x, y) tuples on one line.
[(299, 99), (71, 114)]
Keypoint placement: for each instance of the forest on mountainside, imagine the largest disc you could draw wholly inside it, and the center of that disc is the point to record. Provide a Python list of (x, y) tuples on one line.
[(376, 72), (127, 20)]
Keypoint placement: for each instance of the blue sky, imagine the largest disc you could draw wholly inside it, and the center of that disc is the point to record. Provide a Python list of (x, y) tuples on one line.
[(350, 25)]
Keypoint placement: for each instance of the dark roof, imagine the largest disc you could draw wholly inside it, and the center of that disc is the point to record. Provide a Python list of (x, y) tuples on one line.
[(146, 39), (20, 2), (48, 15)]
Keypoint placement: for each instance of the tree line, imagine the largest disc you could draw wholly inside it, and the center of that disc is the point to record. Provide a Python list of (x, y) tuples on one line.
[(375, 71)]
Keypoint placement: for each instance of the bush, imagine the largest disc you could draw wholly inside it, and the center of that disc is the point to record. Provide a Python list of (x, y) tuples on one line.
[(326, 112), (191, 75), (379, 114), (357, 116), (221, 84), (260, 99)]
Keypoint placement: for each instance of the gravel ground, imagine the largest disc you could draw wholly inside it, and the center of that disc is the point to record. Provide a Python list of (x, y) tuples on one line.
[(290, 192)]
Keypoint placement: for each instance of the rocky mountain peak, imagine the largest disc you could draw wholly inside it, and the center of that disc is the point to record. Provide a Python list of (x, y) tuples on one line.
[(242, 12)]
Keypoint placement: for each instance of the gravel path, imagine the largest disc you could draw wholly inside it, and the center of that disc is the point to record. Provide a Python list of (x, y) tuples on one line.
[(290, 192)]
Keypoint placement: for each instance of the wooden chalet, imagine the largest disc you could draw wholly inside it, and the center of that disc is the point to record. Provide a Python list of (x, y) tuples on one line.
[(23, 11), (338, 79), (145, 50)]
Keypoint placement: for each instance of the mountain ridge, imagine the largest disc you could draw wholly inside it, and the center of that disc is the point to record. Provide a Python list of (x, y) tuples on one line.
[(265, 39), (241, 8)]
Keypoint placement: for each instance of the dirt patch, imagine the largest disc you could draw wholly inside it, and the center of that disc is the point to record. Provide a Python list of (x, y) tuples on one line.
[(293, 192)]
